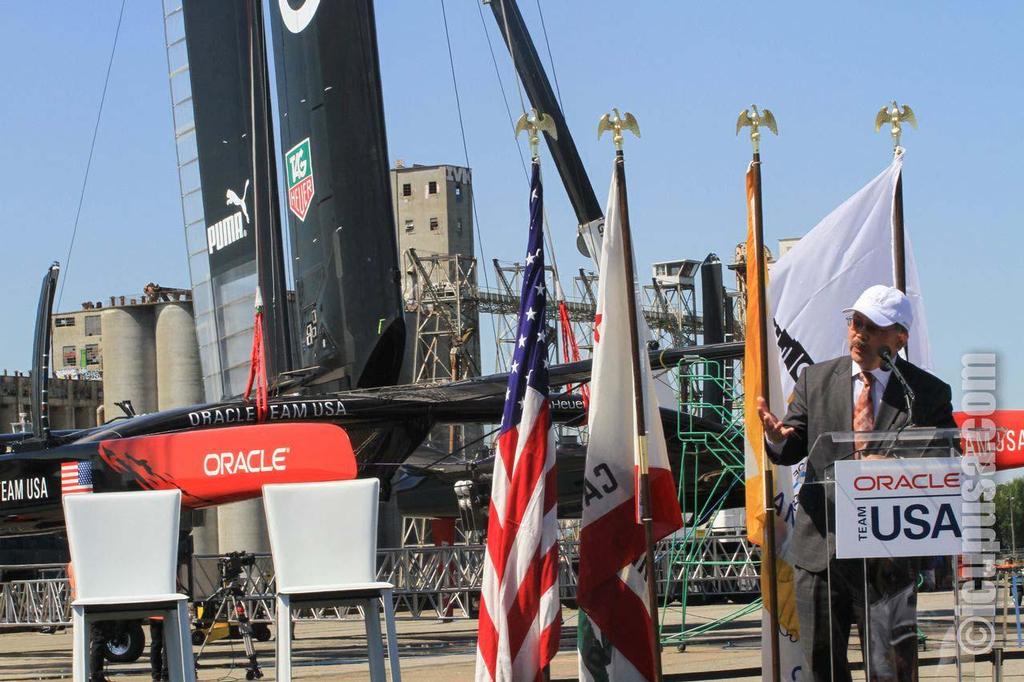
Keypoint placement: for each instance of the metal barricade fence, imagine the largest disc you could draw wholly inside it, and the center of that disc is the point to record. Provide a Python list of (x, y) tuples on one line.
[(430, 582)]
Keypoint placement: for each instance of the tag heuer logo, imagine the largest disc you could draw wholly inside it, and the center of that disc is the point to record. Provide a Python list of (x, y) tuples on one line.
[(299, 165)]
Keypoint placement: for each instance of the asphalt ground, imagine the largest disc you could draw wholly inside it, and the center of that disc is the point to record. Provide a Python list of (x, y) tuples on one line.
[(445, 651)]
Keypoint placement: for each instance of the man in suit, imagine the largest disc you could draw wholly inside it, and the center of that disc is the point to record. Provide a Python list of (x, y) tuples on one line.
[(852, 392)]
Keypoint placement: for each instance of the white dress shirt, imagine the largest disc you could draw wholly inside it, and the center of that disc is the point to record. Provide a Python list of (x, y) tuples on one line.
[(881, 381)]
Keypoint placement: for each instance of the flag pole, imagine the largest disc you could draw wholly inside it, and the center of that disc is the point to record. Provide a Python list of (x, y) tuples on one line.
[(898, 257), (755, 119), (617, 123), (533, 124), (895, 116)]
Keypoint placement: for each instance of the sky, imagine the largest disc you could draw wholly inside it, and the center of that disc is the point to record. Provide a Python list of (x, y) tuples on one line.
[(684, 69)]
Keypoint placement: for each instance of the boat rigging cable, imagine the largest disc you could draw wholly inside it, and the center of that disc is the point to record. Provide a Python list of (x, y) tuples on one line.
[(465, 151), (92, 147), (570, 347), (501, 86), (551, 59), (559, 293), (258, 356)]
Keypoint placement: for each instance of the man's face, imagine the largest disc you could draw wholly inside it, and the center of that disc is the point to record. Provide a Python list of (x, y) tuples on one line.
[(865, 338)]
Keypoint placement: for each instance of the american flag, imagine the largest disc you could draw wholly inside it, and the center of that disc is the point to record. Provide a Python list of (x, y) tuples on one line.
[(520, 616), (75, 477)]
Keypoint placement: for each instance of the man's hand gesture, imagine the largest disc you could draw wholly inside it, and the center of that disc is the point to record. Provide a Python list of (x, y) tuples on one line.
[(774, 429)]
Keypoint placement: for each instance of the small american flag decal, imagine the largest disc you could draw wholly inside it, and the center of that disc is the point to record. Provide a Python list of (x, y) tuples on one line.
[(75, 477)]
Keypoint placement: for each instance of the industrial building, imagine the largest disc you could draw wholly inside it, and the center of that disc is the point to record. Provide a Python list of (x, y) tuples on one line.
[(433, 211), (139, 349), (142, 348), (73, 402), (433, 207)]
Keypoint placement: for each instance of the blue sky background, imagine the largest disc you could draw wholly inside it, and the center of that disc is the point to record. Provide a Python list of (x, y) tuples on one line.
[(684, 69)]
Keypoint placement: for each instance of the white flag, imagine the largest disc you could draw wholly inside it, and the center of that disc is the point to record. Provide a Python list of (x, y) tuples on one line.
[(808, 288), (848, 251)]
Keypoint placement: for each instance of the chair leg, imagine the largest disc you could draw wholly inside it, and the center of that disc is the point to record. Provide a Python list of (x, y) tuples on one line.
[(172, 646), (374, 645), (178, 644), (389, 623), (283, 645), (79, 645)]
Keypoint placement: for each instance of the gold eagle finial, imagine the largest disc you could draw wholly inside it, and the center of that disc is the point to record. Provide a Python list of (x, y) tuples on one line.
[(895, 115), (755, 119), (533, 124), (616, 122)]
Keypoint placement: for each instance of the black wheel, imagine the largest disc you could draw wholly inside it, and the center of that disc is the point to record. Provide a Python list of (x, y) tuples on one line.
[(127, 644), (197, 637), (261, 631)]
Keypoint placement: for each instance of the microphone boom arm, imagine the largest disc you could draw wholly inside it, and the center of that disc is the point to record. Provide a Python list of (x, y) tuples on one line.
[(908, 392)]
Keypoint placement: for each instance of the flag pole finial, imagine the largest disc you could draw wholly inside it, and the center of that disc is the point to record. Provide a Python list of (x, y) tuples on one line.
[(616, 122), (533, 123), (895, 116), (755, 119)]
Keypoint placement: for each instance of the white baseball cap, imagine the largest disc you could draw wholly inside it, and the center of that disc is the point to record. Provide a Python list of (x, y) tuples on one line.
[(885, 306)]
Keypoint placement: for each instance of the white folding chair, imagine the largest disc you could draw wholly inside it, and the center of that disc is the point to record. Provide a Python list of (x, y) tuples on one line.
[(124, 553), (323, 537)]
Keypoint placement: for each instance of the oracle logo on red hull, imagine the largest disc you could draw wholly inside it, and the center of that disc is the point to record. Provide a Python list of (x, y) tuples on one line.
[(215, 466), (252, 462)]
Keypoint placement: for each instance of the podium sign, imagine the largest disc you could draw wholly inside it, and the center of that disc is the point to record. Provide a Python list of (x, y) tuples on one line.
[(898, 508)]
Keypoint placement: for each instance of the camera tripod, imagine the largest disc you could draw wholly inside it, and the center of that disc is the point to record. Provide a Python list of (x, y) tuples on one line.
[(228, 598)]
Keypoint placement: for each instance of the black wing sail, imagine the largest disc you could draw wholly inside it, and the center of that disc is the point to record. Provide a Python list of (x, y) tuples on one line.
[(236, 197), (339, 208)]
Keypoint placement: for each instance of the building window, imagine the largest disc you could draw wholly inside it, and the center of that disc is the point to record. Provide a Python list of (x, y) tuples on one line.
[(407, 190), (433, 224), (458, 226), (92, 325), (92, 354), (409, 225), (64, 322), (432, 187), (458, 191), (69, 356)]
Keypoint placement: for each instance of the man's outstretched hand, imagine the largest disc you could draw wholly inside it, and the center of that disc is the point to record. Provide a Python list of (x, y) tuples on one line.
[(774, 429)]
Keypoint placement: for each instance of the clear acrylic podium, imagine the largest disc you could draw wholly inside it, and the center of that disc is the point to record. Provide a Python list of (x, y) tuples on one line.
[(881, 552)]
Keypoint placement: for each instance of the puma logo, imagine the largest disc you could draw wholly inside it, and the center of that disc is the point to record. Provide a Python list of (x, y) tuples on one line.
[(233, 200)]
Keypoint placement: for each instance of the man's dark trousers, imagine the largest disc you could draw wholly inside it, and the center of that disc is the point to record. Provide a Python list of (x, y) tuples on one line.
[(833, 599)]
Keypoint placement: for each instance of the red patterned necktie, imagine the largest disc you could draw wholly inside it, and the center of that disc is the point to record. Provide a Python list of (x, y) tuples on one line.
[(864, 412)]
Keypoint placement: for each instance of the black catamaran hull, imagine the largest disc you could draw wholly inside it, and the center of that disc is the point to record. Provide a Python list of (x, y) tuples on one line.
[(220, 454)]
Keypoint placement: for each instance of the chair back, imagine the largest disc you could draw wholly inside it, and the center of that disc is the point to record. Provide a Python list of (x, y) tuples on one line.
[(323, 535), (123, 545)]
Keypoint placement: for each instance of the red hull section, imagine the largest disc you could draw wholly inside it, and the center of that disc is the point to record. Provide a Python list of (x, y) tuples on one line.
[(215, 466), (1009, 435)]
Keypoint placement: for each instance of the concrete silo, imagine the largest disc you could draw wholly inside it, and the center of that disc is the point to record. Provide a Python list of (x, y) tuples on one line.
[(129, 359), (180, 384), (178, 375)]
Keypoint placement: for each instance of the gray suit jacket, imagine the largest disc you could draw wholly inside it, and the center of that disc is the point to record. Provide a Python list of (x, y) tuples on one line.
[(823, 403)]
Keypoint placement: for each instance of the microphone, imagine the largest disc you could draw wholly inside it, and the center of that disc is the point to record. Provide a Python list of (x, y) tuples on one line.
[(908, 393)]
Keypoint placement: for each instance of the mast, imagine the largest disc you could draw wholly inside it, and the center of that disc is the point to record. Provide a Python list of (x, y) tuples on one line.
[(563, 150), (269, 242), (228, 181)]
